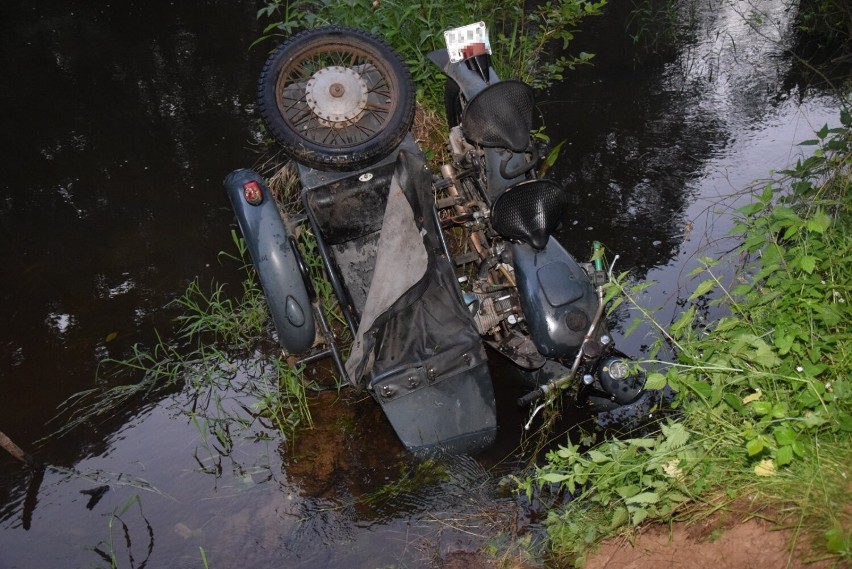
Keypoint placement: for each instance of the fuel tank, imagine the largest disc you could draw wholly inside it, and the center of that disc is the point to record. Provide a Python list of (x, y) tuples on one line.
[(557, 297)]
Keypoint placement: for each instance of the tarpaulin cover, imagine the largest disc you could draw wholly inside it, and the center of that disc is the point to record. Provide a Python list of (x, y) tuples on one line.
[(412, 306), (417, 346)]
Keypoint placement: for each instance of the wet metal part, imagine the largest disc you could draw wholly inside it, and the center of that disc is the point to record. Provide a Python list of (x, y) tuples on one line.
[(336, 94)]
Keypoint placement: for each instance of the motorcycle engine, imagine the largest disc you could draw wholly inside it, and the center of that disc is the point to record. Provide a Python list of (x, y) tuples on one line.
[(489, 310)]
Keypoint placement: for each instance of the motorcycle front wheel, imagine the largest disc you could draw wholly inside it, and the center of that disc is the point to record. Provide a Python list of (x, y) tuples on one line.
[(336, 98)]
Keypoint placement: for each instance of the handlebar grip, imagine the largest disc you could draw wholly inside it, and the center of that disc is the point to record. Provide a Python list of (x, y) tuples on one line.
[(533, 395)]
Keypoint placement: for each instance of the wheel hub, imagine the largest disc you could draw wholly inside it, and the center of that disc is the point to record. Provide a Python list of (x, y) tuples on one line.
[(336, 94)]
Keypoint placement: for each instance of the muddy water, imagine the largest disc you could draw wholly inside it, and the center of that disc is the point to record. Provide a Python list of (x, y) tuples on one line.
[(120, 119)]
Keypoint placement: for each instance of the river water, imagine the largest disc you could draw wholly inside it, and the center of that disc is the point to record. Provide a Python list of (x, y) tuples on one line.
[(121, 119)]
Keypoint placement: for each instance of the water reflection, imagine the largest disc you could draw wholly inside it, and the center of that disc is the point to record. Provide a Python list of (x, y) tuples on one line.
[(120, 122), (640, 142)]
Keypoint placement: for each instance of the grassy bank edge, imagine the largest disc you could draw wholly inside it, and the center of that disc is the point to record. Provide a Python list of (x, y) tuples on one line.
[(764, 405)]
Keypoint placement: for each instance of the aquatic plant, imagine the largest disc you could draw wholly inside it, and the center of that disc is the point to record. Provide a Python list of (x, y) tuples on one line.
[(225, 393)]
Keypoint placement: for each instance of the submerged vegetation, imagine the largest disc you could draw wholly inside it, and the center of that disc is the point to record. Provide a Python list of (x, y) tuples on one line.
[(226, 393)]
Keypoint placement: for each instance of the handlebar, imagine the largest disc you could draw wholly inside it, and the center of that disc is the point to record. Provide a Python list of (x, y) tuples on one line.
[(530, 397)]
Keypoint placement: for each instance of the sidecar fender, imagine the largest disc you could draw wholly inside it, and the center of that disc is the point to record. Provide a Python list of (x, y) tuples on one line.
[(268, 243)]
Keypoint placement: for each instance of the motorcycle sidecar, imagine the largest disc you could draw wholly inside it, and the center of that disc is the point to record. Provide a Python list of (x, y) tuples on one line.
[(415, 347), (341, 103)]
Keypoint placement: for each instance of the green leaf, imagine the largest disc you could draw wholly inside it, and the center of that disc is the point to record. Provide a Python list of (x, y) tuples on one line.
[(598, 457), (696, 271), (655, 380), (819, 222), (830, 315), (727, 323), (684, 321), (734, 402), (639, 515), (754, 446), (553, 477), (784, 435), (765, 355), (701, 388), (676, 435), (813, 370), (627, 491), (779, 410), (751, 208), (784, 212), (761, 408), (837, 541), (703, 288), (643, 498), (619, 518), (784, 455), (677, 497), (814, 420), (808, 263), (784, 343), (554, 154)]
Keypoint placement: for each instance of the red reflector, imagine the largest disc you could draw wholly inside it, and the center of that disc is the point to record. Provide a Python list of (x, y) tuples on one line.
[(252, 192)]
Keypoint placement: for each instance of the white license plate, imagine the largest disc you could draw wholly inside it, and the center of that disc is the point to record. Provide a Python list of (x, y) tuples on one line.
[(460, 41)]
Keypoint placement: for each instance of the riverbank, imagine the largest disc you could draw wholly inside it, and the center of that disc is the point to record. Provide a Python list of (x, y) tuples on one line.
[(764, 406)]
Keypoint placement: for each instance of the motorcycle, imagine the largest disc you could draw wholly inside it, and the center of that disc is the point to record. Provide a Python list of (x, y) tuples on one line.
[(428, 269)]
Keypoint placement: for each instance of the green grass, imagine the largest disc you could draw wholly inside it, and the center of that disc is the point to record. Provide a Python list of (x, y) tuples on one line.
[(222, 362), (764, 396)]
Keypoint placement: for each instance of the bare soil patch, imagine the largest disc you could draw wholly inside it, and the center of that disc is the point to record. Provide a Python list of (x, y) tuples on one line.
[(735, 539)]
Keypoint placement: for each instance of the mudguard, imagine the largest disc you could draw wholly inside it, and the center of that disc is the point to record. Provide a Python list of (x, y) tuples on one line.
[(268, 243)]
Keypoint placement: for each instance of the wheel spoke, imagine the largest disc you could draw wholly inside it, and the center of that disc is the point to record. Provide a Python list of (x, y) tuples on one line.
[(301, 118)]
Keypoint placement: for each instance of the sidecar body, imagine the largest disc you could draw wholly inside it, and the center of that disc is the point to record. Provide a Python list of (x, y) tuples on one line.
[(416, 348)]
